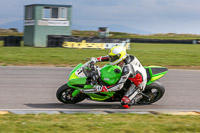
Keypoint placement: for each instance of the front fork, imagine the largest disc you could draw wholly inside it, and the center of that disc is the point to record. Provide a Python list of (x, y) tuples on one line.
[(77, 90)]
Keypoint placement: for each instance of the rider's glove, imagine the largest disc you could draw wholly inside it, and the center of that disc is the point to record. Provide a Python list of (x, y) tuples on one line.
[(93, 59), (99, 88)]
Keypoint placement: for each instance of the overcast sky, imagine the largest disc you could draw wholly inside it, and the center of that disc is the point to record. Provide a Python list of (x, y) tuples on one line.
[(156, 16)]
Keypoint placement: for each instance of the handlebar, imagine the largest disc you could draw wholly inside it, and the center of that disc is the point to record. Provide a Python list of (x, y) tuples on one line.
[(92, 66), (92, 72)]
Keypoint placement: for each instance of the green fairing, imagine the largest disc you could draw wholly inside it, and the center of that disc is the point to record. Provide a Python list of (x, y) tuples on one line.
[(97, 97), (76, 92), (74, 80), (78, 81), (88, 86), (109, 74), (76, 68), (155, 77)]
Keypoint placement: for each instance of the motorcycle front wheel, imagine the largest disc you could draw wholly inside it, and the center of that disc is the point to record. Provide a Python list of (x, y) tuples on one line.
[(64, 95), (153, 92)]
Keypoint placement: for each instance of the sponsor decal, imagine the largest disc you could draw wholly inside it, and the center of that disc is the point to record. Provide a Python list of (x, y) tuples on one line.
[(85, 44), (106, 79), (53, 23), (29, 22)]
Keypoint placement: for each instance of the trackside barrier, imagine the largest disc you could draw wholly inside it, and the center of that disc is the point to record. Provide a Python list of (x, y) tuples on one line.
[(55, 41), (13, 40), (90, 42), (142, 40), (86, 42), (2, 38), (83, 44)]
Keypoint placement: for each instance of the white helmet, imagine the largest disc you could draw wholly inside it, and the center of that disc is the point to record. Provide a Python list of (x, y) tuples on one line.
[(117, 54)]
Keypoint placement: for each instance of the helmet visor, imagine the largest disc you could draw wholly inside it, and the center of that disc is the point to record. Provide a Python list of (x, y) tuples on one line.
[(114, 58)]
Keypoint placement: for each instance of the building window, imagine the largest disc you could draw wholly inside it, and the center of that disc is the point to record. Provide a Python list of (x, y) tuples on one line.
[(63, 12), (29, 13), (47, 12), (55, 13)]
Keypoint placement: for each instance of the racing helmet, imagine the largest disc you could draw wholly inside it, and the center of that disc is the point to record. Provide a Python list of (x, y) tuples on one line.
[(117, 54)]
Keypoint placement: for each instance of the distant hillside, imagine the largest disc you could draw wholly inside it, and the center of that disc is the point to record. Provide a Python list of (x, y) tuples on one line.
[(6, 32), (113, 27)]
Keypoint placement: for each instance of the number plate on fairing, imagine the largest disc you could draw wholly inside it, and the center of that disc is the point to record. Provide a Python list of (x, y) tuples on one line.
[(80, 73)]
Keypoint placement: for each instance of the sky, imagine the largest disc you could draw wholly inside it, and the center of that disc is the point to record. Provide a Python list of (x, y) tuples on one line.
[(154, 16)]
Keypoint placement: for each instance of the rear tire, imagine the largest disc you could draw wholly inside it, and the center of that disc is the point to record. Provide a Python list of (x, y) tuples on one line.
[(64, 95), (155, 91)]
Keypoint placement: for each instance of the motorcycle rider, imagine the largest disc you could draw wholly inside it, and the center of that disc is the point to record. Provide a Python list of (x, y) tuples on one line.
[(132, 69)]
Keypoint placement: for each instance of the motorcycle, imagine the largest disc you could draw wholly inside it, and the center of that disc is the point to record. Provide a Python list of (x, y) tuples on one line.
[(82, 78)]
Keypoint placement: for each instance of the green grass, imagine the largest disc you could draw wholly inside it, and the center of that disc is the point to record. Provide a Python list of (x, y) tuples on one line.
[(42, 56), (148, 54), (1, 43), (167, 54), (98, 123)]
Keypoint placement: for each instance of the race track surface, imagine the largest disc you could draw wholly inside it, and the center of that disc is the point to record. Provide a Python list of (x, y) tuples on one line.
[(34, 88)]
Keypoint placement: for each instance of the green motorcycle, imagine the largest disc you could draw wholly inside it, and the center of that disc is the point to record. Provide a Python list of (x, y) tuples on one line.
[(82, 78)]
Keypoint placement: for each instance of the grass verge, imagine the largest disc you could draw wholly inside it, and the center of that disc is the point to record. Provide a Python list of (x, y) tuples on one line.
[(175, 55), (1, 43), (98, 123)]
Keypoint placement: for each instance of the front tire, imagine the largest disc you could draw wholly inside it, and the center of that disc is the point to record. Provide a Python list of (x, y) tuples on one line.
[(155, 91), (64, 95)]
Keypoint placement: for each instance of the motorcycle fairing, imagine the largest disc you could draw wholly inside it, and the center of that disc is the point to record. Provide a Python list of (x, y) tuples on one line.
[(72, 75), (110, 74), (154, 73), (80, 83), (99, 97)]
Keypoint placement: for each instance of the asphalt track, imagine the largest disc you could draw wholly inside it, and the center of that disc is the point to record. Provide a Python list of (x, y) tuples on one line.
[(34, 88)]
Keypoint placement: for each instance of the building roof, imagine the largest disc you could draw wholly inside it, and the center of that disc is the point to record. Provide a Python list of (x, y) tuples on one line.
[(49, 5)]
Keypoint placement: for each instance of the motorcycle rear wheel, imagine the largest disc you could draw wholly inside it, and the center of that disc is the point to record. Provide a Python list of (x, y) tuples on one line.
[(64, 95), (155, 91)]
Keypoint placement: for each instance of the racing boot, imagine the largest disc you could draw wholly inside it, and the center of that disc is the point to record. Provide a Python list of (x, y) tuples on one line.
[(131, 97), (126, 102)]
